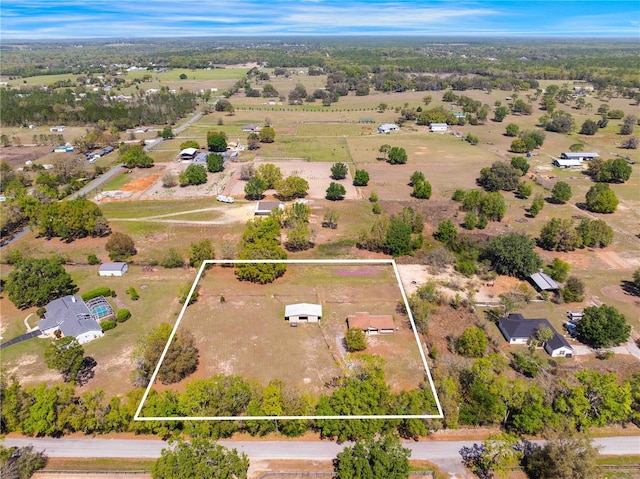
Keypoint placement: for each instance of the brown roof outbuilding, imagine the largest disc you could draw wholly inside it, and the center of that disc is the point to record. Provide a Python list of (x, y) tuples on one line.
[(370, 322)]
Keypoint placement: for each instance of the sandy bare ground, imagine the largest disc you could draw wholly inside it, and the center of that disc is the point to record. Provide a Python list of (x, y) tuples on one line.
[(26, 360), (614, 261), (228, 182), (317, 174), (230, 214), (413, 276), (215, 184)]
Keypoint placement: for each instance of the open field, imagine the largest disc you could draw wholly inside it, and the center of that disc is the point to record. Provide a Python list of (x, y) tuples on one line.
[(323, 135), (240, 327)]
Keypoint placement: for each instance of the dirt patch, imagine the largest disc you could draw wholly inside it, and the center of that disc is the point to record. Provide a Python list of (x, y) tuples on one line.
[(617, 293), (413, 276), (119, 366), (448, 323), (317, 174), (48, 376), (141, 184), (101, 475), (613, 260), (489, 292), (259, 467), (576, 259), (16, 156)]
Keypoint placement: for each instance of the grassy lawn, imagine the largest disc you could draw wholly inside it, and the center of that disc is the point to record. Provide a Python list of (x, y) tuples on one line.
[(332, 129), (117, 182), (314, 149), (198, 216), (142, 209), (99, 464), (158, 289)]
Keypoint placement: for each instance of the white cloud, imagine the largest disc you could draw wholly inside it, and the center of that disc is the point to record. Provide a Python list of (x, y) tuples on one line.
[(34, 19)]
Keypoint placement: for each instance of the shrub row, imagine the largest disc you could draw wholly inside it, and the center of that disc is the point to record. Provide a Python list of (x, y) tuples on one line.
[(94, 293)]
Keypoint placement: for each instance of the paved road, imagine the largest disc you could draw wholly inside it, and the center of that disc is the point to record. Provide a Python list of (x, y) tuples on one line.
[(188, 123), (435, 451), (82, 191), (102, 179), (97, 182), (32, 334)]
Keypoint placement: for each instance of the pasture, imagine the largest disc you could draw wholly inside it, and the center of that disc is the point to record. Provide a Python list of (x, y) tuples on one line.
[(240, 327)]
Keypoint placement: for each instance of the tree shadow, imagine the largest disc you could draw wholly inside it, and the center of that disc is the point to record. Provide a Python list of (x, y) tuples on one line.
[(630, 288), (87, 371)]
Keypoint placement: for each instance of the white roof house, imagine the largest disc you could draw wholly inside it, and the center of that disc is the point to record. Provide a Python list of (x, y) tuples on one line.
[(580, 155), (438, 127), (560, 163), (188, 153), (388, 128), (302, 313), (118, 268)]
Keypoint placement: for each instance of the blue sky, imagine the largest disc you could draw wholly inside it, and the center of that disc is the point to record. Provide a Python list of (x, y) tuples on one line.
[(59, 19)]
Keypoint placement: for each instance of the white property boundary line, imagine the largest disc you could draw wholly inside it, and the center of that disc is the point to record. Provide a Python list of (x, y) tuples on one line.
[(391, 262)]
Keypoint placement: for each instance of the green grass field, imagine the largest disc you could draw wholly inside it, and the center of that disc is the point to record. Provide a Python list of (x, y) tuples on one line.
[(172, 75), (141, 209)]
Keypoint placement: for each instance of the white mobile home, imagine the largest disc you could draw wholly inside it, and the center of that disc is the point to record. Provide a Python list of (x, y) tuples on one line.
[(438, 127)]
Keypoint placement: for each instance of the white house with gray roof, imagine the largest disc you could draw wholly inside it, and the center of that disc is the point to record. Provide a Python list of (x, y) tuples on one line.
[(72, 317)]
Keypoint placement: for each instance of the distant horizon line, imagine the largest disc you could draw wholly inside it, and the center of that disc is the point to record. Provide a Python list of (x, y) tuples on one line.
[(385, 36)]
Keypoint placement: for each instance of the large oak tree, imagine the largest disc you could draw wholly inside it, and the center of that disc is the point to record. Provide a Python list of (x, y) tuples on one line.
[(35, 282)]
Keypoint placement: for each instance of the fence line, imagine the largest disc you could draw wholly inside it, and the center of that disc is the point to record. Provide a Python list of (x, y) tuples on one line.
[(84, 473)]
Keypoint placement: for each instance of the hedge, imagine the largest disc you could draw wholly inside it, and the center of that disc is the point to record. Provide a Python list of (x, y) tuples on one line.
[(122, 315), (107, 325), (94, 293)]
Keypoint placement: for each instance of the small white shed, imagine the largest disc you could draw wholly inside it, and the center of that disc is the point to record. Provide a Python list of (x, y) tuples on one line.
[(118, 268)]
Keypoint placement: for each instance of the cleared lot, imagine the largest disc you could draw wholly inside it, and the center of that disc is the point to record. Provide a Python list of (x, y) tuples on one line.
[(240, 327)]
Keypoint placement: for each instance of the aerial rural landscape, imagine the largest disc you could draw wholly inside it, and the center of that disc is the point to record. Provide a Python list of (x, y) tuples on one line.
[(354, 257)]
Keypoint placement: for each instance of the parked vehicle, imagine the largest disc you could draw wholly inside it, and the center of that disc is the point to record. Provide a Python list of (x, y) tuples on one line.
[(225, 199)]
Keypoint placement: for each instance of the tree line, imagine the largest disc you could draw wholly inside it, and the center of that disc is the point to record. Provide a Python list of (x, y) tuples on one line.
[(34, 105), (598, 62), (476, 394)]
